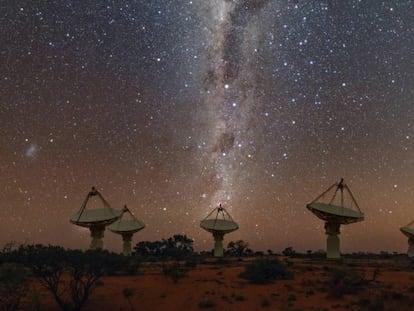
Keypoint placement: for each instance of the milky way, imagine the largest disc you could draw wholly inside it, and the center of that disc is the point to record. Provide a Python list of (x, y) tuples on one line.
[(230, 88), (172, 107)]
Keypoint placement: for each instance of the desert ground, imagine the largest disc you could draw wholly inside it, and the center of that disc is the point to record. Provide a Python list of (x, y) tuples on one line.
[(387, 284)]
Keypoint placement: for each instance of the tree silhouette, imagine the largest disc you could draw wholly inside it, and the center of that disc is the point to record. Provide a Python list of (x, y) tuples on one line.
[(239, 248), (127, 293), (177, 247), (69, 275), (84, 270), (289, 251)]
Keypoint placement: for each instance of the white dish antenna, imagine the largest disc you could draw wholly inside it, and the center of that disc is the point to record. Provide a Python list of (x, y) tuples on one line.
[(219, 222), (408, 231), (126, 228), (96, 219), (341, 208)]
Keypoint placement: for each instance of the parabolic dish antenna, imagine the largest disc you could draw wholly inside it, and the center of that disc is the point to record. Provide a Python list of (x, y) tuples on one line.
[(219, 222), (126, 228), (339, 210), (96, 219), (408, 231)]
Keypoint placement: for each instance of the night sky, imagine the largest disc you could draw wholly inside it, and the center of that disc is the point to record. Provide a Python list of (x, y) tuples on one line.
[(173, 107)]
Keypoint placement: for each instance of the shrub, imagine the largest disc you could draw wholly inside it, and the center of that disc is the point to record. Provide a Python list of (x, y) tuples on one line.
[(263, 271), (289, 252), (291, 297), (345, 282), (82, 271), (265, 302), (128, 293), (239, 248), (51, 264), (177, 247), (174, 271), (206, 303), (239, 297), (309, 292)]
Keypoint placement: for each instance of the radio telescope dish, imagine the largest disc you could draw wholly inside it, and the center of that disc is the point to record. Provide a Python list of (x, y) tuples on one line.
[(96, 219), (126, 228), (340, 210), (219, 222), (408, 231)]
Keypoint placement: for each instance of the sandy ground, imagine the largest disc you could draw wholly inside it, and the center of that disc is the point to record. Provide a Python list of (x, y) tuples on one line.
[(220, 284)]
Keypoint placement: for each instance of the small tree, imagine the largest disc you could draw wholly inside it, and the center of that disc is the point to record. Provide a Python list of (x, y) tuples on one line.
[(148, 249), (239, 248), (51, 263), (289, 251), (178, 247), (127, 293)]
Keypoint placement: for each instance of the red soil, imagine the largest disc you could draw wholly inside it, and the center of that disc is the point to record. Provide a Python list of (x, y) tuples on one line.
[(392, 289)]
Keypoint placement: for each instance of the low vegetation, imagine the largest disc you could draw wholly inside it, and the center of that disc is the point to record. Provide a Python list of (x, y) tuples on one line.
[(177, 247), (265, 302), (176, 253), (238, 248), (174, 270), (128, 293), (206, 304), (264, 270), (239, 297), (69, 275), (345, 282)]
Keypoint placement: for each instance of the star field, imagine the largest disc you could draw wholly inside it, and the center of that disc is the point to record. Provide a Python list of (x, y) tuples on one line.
[(172, 107)]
